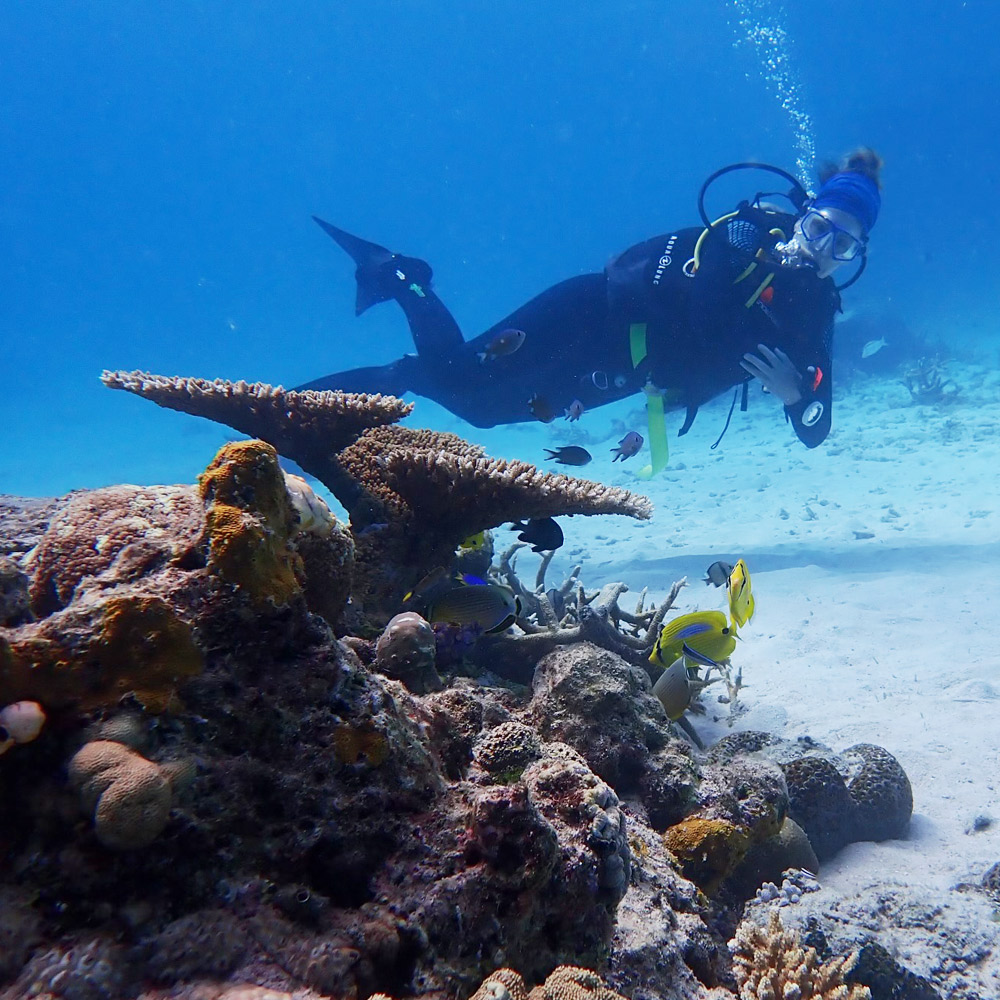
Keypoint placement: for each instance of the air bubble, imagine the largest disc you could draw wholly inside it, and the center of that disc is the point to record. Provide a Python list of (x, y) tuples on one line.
[(762, 25)]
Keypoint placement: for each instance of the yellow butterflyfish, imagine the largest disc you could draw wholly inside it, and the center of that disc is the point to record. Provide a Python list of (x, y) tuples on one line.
[(741, 602), (705, 632)]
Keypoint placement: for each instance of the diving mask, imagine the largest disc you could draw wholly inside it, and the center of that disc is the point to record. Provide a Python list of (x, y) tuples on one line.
[(818, 228)]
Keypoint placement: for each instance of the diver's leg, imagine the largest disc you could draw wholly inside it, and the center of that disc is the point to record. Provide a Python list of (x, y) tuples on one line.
[(391, 380), (382, 275)]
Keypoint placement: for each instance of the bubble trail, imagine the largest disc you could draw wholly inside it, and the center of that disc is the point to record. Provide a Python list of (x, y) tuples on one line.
[(762, 25)]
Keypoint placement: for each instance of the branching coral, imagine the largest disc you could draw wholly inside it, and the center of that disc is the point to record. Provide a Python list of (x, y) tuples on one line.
[(771, 963)]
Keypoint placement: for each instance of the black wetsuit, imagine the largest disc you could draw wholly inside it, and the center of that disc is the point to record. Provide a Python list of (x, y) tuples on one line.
[(692, 329)]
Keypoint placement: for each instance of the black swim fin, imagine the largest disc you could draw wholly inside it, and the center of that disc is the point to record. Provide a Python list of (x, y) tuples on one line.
[(381, 275)]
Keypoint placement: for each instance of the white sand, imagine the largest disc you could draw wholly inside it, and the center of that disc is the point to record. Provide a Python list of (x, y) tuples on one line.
[(884, 640)]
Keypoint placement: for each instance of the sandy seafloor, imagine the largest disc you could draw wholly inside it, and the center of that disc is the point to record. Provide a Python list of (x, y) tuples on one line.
[(887, 639), (882, 639)]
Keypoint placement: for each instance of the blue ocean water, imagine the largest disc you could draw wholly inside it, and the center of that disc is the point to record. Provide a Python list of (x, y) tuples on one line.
[(161, 163)]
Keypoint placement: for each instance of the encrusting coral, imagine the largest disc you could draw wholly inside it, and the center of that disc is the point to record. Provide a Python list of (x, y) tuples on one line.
[(97, 650), (771, 963), (249, 521)]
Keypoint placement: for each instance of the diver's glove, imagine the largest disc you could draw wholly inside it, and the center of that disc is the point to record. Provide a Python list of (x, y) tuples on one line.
[(775, 373)]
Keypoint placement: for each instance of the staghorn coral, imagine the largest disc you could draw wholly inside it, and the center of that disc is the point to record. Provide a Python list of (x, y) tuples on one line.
[(127, 795), (771, 964), (308, 427)]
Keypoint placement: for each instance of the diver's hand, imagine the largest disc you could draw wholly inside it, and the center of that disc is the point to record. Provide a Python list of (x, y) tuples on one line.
[(775, 372)]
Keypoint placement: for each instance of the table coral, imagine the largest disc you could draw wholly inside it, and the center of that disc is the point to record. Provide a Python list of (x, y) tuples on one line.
[(307, 426), (771, 963), (413, 495)]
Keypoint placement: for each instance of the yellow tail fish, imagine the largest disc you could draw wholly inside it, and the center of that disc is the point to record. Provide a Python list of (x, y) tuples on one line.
[(741, 603)]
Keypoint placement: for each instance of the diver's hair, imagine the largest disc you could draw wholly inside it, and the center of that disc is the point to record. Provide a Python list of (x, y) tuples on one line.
[(863, 160)]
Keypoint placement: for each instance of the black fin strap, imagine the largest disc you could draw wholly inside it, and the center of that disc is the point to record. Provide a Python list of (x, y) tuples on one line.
[(692, 412), (729, 416), (743, 398)]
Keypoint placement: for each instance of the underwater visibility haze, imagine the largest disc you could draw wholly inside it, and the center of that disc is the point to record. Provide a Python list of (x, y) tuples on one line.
[(579, 693)]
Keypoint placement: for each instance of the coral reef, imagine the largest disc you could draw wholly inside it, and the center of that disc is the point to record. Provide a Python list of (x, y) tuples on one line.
[(268, 811), (771, 962)]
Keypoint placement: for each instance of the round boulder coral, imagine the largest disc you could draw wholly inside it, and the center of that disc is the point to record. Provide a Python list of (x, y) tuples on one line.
[(507, 750), (821, 804), (128, 795), (880, 791), (405, 651)]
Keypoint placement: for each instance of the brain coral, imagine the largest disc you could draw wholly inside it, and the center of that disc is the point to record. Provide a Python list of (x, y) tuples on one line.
[(128, 796)]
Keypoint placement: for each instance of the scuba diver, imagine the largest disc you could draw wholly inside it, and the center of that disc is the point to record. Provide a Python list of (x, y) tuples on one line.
[(684, 316)]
